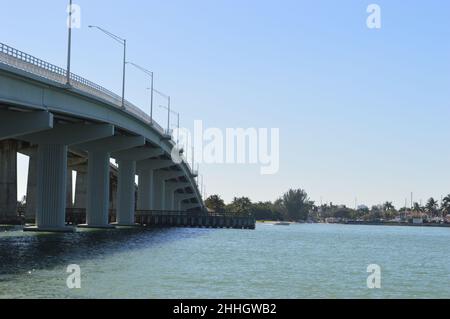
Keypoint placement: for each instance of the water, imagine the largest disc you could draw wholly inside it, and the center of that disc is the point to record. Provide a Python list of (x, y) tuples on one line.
[(297, 261)]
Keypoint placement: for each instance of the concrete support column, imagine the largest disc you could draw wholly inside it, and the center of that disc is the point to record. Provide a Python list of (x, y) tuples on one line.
[(69, 190), (170, 201), (8, 181), (52, 169), (126, 193), (80, 190), (97, 209), (51, 187), (113, 185), (158, 190), (30, 211), (180, 198), (145, 182), (168, 197)]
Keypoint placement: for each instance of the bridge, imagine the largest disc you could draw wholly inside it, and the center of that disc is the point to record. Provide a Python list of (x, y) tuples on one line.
[(80, 127)]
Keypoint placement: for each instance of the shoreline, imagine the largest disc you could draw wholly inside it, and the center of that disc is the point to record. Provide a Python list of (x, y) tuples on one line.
[(364, 224), (394, 224)]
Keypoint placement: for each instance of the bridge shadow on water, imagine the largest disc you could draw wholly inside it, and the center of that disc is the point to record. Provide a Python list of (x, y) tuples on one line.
[(23, 252)]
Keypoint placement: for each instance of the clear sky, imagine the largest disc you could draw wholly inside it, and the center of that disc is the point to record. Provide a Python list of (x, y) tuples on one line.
[(362, 113)]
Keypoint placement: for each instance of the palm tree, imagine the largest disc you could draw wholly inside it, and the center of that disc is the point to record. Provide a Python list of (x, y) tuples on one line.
[(445, 206), (417, 209), (432, 207), (388, 206)]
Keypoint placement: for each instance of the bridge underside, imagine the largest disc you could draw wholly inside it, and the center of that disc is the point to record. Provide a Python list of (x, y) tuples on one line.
[(100, 186)]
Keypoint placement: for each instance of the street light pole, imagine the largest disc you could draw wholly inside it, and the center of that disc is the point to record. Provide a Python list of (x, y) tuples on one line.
[(124, 43), (151, 100), (151, 88), (124, 71), (166, 107), (168, 116), (69, 46), (178, 128), (193, 158), (169, 111), (201, 184)]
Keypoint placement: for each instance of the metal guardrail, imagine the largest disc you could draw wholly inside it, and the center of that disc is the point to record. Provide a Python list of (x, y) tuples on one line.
[(30, 64)]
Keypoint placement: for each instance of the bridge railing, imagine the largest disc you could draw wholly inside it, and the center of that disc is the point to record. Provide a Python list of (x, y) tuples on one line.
[(28, 63)]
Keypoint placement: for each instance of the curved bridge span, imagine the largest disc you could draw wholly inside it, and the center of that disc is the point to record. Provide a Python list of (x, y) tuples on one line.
[(80, 128)]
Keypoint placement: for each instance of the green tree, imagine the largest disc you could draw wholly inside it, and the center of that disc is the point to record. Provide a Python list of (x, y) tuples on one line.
[(266, 211), (376, 212), (417, 208), (389, 210), (240, 205), (388, 206), (215, 203), (432, 207), (296, 204), (445, 207)]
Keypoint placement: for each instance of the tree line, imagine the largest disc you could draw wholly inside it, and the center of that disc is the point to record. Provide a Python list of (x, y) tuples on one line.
[(295, 205), (292, 205)]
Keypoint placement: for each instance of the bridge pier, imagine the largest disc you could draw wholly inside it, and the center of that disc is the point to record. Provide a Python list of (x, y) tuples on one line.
[(51, 188), (69, 189), (150, 183), (158, 190), (52, 169), (30, 210), (162, 190), (31, 197), (145, 174), (180, 198), (97, 208), (145, 181), (113, 196), (98, 188), (169, 196), (81, 189), (126, 193), (8, 182)]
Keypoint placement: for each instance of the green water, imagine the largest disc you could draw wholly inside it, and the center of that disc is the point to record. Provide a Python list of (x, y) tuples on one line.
[(297, 261)]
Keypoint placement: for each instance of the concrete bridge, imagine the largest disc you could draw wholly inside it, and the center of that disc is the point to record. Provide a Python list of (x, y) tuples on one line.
[(80, 128)]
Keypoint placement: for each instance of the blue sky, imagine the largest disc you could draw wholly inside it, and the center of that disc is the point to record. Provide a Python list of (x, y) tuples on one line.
[(362, 113)]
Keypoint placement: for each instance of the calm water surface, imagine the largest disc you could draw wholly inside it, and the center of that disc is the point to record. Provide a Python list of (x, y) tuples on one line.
[(298, 261)]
